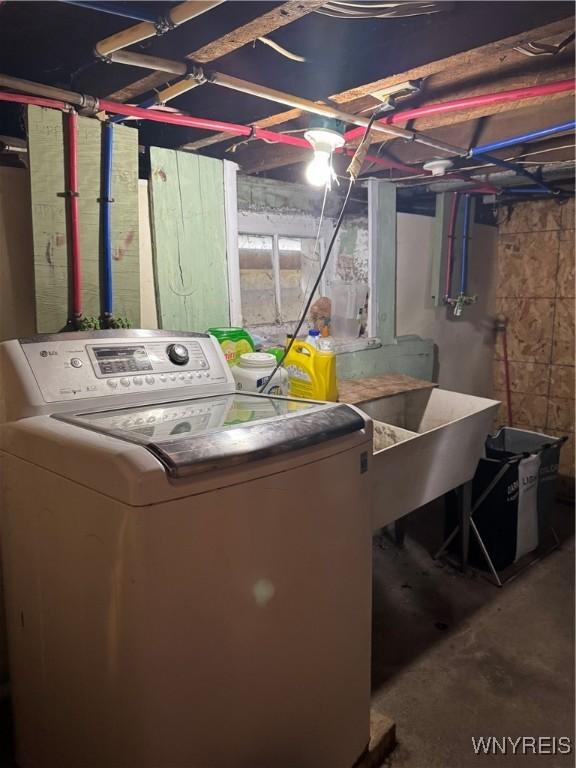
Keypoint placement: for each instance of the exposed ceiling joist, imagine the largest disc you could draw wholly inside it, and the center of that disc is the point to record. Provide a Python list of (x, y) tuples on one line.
[(253, 157), (259, 27), (461, 71)]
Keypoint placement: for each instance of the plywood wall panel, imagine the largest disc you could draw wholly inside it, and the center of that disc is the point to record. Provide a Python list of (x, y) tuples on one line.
[(189, 239), (148, 316), (17, 311), (46, 137), (47, 183), (536, 296)]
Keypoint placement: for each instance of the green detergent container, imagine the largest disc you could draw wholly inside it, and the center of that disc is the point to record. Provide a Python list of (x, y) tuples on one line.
[(234, 342)]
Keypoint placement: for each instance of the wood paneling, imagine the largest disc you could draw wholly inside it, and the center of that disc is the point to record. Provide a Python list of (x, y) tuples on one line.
[(46, 137), (148, 316), (48, 182), (536, 269), (189, 238), (16, 257)]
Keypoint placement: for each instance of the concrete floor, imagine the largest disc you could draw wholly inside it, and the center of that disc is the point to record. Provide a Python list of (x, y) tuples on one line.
[(456, 657)]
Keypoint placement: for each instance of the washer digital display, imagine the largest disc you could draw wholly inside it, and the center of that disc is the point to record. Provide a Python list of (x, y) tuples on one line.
[(116, 360)]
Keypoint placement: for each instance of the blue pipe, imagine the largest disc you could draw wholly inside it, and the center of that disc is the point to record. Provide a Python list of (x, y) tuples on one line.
[(106, 218), (523, 138), (115, 9), (482, 151), (524, 191), (465, 239), (147, 104)]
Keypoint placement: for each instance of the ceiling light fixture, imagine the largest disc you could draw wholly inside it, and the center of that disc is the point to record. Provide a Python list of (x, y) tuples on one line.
[(326, 135)]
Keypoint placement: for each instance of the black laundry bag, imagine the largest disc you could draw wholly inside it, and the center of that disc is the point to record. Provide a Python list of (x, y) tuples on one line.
[(515, 515)]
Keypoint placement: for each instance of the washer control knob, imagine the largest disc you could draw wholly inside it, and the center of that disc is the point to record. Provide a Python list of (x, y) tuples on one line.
[(75, 362), (177, 354)]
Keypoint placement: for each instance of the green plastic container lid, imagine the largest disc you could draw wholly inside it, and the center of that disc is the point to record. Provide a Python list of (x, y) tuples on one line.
[(231, 334), (278, 353), (234, 342)]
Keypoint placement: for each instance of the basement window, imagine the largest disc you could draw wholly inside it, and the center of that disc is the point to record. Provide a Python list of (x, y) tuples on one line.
[(273, 264), (276, 274)]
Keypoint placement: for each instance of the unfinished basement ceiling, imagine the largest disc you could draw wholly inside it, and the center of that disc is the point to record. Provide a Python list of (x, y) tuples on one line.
[(37, 44)]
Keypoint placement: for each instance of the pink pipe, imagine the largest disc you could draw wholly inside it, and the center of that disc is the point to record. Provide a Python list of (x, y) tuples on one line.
[(240, 130), (72, 192), (160, 116), (458, 105), (18, 98), (450, 254)]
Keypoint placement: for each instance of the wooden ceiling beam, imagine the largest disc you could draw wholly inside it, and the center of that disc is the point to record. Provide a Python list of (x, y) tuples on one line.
[(259, 27), (255, 157), (488, 62)]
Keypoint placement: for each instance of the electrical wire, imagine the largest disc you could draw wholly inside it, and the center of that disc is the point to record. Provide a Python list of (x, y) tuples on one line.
[(479, 167), (353, 170), (281, 50), (394, 10), (317, 241), (315, 286)]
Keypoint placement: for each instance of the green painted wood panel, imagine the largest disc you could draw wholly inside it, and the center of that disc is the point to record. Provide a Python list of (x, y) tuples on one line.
[(46, 141), (47, 180), (439, 248), (382, 236), (189, 240)]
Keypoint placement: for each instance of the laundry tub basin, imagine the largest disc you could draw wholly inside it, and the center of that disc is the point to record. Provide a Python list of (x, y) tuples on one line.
[(426, 442)]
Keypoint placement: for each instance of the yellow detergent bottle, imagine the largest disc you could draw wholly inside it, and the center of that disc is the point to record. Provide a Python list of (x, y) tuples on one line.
[(311, 372)]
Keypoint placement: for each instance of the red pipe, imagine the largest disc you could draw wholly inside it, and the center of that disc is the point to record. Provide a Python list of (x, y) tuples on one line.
[(189, 121), (72, 196), (240, 130), (507, 374), (457, 105), (18, 98), (160, 116), (450, 254)]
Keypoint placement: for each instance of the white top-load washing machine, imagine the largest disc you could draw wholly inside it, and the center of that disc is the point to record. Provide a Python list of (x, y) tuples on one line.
[(187, 570)]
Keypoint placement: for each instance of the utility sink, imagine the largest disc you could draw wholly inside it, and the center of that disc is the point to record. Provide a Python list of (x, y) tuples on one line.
[(426, 442)]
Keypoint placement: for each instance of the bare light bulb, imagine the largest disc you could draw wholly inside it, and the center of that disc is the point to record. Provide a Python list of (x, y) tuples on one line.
[(319, 170), (324, 141)]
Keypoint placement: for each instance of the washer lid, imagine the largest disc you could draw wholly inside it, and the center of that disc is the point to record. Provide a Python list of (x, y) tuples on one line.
[(192, 436)]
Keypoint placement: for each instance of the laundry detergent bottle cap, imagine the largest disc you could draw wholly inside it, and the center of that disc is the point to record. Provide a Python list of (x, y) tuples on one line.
[(257, 360), (313, 336), (254, 374)]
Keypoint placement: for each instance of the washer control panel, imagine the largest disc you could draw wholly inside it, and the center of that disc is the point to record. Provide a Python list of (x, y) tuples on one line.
[(71, 369)]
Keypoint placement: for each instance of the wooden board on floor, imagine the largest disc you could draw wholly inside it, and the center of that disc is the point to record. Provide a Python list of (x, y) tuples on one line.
[(46, 141), (382, 741), (189, 240)]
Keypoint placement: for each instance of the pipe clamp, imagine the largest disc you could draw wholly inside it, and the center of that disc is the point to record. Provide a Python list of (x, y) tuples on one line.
[(164, 24), (194, 72)]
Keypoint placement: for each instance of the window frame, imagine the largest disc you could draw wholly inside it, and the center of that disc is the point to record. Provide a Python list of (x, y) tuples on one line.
[(275, 226), (381, 324)]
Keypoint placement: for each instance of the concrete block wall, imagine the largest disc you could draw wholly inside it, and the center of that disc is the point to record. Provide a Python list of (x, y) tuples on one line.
[(535, 293)]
